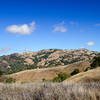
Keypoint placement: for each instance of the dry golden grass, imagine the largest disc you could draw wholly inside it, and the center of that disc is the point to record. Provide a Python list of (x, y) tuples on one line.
[(50, 91), (83, 86), (37, 75), (89, 76)]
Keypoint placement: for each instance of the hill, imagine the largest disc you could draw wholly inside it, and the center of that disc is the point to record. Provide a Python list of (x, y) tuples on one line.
[(43, 59), (37, 75), (89, 76)]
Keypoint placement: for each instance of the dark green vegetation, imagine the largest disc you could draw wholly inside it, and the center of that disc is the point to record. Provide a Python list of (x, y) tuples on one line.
[(1, 72), (10, 80), (76, 71), (44, 80), (61, 77), (94, 63)]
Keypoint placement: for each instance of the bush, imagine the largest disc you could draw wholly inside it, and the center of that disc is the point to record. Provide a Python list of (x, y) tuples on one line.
[(44, 80), (61, 77), (76, 71), (88, 68), (1, 72), (96, 62), (10, 80), (56, 79)]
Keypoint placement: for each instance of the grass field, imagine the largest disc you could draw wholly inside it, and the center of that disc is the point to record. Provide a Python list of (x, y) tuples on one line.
[(50, 91)]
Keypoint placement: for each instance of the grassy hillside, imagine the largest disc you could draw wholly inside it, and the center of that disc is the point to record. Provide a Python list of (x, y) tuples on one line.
[(37, 75), (89, 76)]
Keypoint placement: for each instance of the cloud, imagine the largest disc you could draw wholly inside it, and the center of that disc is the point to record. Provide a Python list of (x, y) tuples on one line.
[(24, 29), (90, 43), (4, 50), (60, 27)]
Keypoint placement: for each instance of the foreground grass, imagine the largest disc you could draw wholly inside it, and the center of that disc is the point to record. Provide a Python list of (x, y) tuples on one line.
[(50, 91)]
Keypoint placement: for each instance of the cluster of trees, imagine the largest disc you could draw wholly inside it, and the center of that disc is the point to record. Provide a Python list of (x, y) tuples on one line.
[(76, 71), (63, 75), (95, 63), (10, 80)]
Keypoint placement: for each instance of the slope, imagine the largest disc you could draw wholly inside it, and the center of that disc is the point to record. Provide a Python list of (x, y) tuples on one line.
[(36, 75)]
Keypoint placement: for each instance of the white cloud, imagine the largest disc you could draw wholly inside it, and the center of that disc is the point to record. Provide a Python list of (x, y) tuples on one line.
[(24, 29), (4, 50), (60, 27), (90, 43)]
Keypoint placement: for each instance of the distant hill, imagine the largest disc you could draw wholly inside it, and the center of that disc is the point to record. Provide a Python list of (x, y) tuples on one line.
[(43, 59)]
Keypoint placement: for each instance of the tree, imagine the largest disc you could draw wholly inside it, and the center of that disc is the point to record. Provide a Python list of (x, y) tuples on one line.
[(61, 77), (10, 80), (96, 62), (44, 80), (76, 71), (1, 72)]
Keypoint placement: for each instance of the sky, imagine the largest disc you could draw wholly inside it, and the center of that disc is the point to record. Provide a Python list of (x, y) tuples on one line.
[(33, 25)]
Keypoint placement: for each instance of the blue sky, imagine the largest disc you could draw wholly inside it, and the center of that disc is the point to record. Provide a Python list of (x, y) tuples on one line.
[(32, 25)]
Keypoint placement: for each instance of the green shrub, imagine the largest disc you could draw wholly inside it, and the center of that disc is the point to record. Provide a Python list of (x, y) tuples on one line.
[(10, 80), (64, 61), (1, 72), (96, 62), (76, 71), (61, 77), (87, 69), (43, 79), (57, 79)]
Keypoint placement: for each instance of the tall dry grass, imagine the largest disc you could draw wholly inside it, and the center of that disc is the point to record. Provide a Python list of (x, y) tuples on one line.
[(50, 91)]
